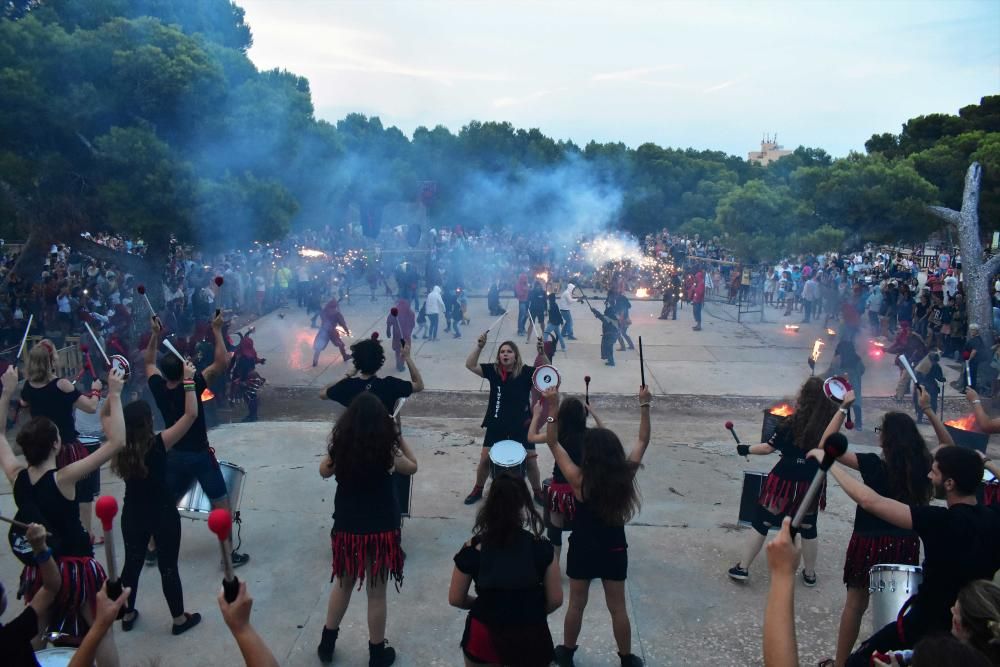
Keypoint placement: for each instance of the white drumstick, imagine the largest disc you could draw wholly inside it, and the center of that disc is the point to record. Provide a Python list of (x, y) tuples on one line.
[(499, 320), (98, 344), (24, 339), (908, 368), (174, 350), (399, 407)]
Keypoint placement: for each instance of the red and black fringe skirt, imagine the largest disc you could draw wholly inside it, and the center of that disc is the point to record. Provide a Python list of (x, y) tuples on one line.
[(991, 493), (780, 496), (561, 500), (70, 452), (866, 551), (371, 554), (82, 578)]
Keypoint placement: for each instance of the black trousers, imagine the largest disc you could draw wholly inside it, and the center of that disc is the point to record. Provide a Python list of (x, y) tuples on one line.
[(163, 524)]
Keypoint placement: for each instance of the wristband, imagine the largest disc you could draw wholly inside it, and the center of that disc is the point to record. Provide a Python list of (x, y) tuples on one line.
[(43, 556), (844, 411), (644, 405), (743, 450), (977, 402)]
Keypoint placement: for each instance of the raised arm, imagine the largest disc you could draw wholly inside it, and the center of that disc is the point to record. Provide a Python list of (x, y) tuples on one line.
[(221, 359), (114, 430), (983, 420), (924, 401), (849, 459), (884, 508), (570, 470), (85, 402), (405, 462), (415, 378), (173, 434), (597, 419), (534, 436), (780, 648), (237, 616), (639, 450), (10, 463), (472, 362), (149, 354)]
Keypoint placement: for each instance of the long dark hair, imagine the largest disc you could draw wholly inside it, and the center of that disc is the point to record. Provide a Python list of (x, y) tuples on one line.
[(130, 461), (609, 485), (907, 459), (364, 440), (508, 508), (813, 412), (572, 420)]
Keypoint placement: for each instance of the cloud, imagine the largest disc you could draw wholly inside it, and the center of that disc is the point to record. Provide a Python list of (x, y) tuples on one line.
[(636, 74), (718, 86)]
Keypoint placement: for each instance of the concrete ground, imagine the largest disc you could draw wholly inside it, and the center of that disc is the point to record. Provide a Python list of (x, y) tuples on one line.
[(684, 609)]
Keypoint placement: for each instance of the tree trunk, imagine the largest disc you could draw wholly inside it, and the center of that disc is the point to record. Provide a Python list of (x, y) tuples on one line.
[(976, 272)]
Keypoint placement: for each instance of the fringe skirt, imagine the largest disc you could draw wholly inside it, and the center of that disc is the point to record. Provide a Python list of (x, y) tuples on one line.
[(991, 493), (82, 578), (780, 496), (378, 555), (561, 500), (864, 551)]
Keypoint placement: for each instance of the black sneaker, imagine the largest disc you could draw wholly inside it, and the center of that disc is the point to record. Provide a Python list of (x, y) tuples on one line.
[(738, 573), (239, 559), (564, 656), (475, 496), (631, 660), (807, 580), (192, 620), (381, 655)]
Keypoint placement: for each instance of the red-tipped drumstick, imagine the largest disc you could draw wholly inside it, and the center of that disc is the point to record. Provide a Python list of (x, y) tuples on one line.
[(835, 447), (374, 335), (220, 522), (141, 289), (394, 311), (586, 390), (219, 281), (106, 509), (732, 430)]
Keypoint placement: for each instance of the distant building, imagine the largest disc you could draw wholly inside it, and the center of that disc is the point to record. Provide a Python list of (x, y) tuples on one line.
[(769, 151)]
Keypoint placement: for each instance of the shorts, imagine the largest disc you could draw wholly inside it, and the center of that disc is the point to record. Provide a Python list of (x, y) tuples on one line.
[(182, 467), (764, 519), (587, 562), (494, 436)]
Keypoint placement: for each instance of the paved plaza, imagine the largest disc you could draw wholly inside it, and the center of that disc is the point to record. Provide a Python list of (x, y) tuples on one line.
[(684, 609)]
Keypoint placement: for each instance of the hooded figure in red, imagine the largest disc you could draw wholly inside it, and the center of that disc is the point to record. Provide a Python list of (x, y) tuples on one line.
[(399, 328), (332, 318)]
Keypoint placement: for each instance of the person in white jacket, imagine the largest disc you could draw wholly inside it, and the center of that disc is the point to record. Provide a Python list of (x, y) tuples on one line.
[(433, 308), (565, 303)]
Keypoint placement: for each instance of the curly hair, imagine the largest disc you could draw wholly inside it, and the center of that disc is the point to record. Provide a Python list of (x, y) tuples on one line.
[(907, 459), (609, 484), (508, 508), (368, 356), (130, 461), (363, 442), (813, 411)]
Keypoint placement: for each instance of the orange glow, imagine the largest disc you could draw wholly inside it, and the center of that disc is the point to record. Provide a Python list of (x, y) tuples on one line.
[(641, 293), (543, 276), (831, 332), (817, 349), (966, 423), (792, 327), (207, 394), (878, 343), (342, 331), (782, 410), (301, 349)]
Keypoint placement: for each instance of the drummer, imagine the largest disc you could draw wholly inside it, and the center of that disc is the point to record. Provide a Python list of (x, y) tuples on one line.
[(508, 412), (191, 457), (368, 356)]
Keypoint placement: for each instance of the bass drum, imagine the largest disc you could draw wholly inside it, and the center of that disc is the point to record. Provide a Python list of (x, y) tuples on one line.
[(890, 587), (59, 656), (196, 505)]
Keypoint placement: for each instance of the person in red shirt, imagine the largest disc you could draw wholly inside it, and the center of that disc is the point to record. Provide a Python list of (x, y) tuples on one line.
[(696, 295)]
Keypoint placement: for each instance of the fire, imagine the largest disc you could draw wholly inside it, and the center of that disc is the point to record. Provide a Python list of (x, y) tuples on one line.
[(817, 349), (543, 276), (792, 327), (309, 253), (831, 332), (878, 343), (782, 410), (966, 423), (641, 293), (342, 331), (207, 394)]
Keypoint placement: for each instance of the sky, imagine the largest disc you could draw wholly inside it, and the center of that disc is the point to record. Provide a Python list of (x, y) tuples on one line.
[(698, 74)]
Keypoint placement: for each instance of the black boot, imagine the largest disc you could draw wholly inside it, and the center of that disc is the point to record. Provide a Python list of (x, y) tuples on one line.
[(631, 660), (381, 655), (327, 644), (564, 656)]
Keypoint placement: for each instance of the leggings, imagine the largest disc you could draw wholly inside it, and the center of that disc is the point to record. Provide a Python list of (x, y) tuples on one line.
[(139, 523)]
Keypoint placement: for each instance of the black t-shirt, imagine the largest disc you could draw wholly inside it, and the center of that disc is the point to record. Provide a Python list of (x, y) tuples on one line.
[(388, 390), (151, 490), (509, 407), (875, 476), (510, 581), (52, 402), (574, 447), (366, 505), (961, 544), (171, 405), (793, 466), (15, 640)]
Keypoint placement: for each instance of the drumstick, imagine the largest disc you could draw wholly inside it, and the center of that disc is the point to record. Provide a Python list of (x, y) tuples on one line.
[(909, 369), (98, 344), (218, 283), (642, 365), (141, 289), (731, 429), (220, 522), (19, 524), (835, 447), (499, 320), (173, 349), (399, 407), (106, 508), (586, 389), (24, 339)]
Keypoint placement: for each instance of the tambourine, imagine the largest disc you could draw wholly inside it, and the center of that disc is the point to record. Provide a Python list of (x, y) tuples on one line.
[(120, 363), (544, 377), (836, 389)]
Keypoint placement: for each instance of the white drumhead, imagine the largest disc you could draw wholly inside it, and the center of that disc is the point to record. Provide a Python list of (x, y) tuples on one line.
[(59, 656), (508, 453), (988, 476), (836, 389), (120, 363), (545, 377)]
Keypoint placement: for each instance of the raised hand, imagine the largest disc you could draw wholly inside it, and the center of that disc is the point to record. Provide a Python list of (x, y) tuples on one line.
[(10, 380), (189, 370), (116, 381)]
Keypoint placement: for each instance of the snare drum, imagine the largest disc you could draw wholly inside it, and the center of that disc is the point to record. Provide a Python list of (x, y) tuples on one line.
[(508, 457), (890, 586), (753, 482), (120, 363), (198, 505), (403, 486), (58, 656), (989, 492)]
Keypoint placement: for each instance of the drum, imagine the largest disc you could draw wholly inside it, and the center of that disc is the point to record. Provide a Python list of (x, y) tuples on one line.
[(544, 377), (404, 491), (989, 490), (120, 363), (890, 586), (197, 505), (546, 484), (508, 457), (58, 656), (836, 388), (753, 482)]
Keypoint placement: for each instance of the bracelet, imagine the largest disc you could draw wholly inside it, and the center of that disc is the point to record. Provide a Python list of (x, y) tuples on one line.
[(644, 405), (844, 411), (977, 402), (43, 556)]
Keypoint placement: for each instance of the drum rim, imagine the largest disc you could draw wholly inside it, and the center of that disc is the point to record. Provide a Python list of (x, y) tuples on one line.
[(505, 444), (554, 370), (895, 567), (232, 465), (841, 380)]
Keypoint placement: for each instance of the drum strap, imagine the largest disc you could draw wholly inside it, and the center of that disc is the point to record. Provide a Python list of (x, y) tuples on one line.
[(532, 455), (215, 460), (900, 633)]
